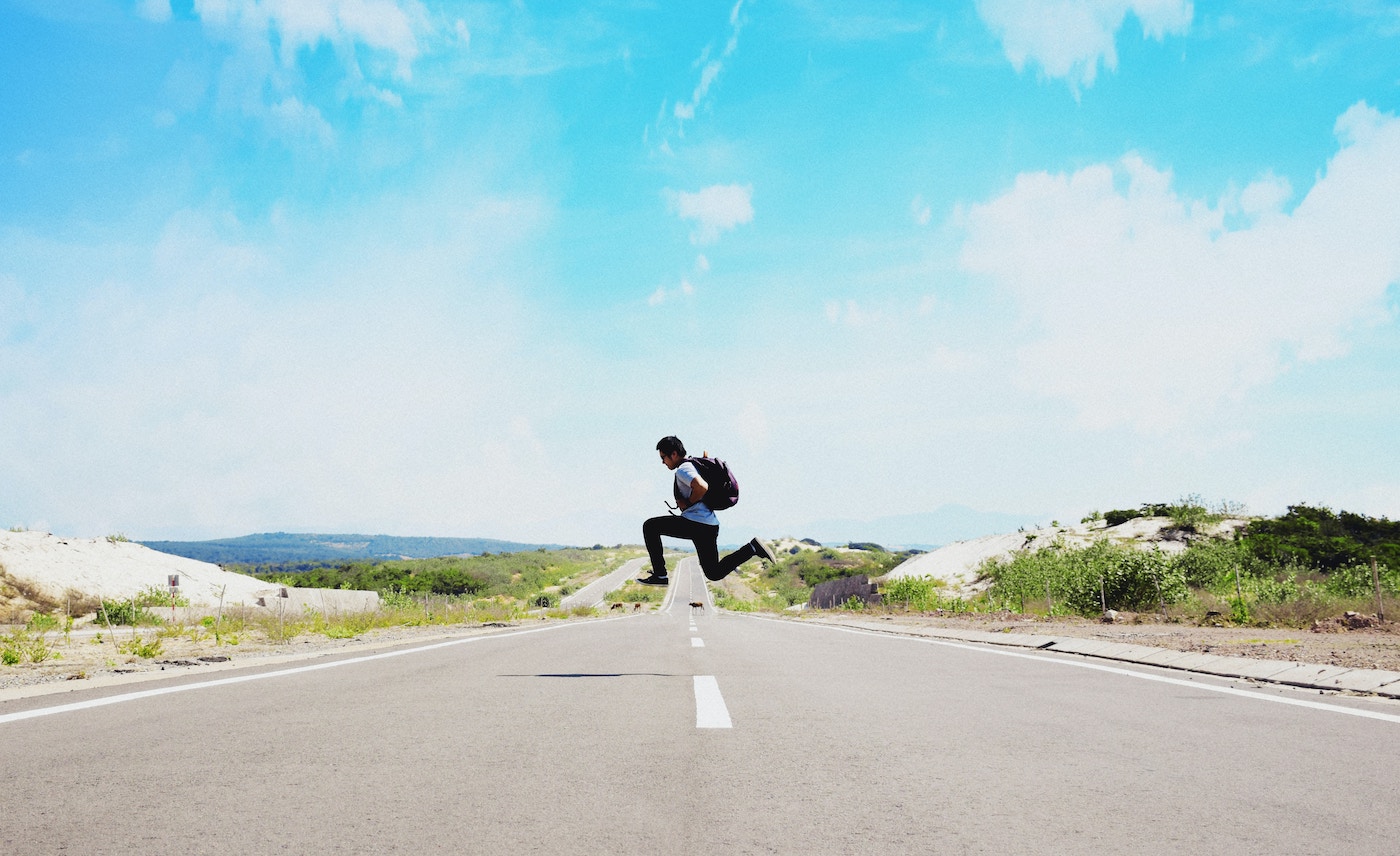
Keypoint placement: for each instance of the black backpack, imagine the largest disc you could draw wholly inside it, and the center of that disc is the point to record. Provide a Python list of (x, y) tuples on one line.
[(724, 488)]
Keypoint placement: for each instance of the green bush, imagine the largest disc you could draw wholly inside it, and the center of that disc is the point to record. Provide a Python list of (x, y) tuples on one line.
[(394, 598), (1355, 580), (1270, 590), (41, 623), (1323, 539), (725, 600), (1188, 513), (1211, 564), (1077, 578), (517, 575), (158, 596), (919, 593), (145, 649), (125, 612), (1119, 516)]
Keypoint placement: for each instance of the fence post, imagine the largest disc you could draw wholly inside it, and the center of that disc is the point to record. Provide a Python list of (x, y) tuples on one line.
[(1376, 579)]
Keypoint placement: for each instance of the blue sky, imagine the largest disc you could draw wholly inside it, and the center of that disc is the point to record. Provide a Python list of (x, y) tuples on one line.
[(452, 268)]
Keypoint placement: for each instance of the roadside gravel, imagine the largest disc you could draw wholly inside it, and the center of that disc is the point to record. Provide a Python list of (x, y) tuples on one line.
[(1371, 648)]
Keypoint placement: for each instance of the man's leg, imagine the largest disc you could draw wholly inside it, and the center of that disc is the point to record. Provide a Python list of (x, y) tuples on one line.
[(652, 530), (729, 563), (706, 539), (703, 536)]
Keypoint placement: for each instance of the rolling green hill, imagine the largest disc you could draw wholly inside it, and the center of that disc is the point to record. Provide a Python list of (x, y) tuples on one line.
[(279, 547)]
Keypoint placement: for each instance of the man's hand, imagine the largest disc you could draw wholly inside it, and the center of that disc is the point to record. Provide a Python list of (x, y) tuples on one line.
[(698, 488)]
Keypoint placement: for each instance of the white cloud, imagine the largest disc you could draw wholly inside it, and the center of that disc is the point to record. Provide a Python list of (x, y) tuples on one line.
[(850, 314), (710, 70), (751, 424), (1265, 196), (714, 210), (1069, 38), (1143, 308), (294, 24), (372, 40), (920, 210), (297, 120), (663, 294)]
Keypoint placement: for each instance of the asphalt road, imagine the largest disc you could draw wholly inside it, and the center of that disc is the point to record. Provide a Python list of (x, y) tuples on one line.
[(593, 593), (626, 736)]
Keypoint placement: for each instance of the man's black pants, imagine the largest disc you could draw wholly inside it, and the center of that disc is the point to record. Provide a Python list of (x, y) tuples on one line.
[(705, 538)]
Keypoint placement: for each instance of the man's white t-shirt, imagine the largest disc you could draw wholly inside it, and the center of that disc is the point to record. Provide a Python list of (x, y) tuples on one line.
[(699, 512)]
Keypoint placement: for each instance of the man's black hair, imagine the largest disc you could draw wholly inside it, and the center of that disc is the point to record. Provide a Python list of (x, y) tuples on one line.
[(669, 445)]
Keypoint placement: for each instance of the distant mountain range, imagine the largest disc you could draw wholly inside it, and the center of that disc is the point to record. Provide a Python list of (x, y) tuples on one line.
[(273, 547)]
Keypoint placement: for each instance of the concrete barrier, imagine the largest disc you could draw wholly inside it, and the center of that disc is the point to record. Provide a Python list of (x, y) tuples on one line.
[(324, 601)]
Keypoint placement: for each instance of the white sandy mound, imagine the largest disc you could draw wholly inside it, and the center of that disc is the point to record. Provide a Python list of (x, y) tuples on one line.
[(784, 546), (96, 567), (957, 563)]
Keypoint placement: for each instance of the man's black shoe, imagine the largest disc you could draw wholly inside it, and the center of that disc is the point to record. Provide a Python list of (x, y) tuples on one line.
[(764, 551), (654, 580)]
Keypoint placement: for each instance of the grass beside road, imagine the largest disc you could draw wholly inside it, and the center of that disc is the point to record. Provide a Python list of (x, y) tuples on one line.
[(522, 577), (451, 591), (634, 592)]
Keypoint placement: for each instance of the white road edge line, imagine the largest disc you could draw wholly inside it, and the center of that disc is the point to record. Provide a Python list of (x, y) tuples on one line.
[(1297, 702), (710, 711), (220, 682)]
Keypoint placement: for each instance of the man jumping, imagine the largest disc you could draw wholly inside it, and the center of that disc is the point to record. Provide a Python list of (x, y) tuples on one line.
[(696, 523)]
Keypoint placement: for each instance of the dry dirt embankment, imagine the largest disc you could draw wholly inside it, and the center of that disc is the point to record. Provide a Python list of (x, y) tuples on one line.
[(44, 574), (1362, 643), (40, 572)]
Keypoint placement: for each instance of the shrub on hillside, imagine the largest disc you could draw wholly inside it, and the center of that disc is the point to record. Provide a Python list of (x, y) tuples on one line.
[(1323, 539), (1356, 580), (1087, 579)]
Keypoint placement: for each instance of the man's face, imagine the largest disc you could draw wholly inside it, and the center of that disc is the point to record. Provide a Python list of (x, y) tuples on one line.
[(672, 460)]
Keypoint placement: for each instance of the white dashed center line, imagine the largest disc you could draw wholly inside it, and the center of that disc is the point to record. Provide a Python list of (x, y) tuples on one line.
[(697, 642), (710, 711)]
